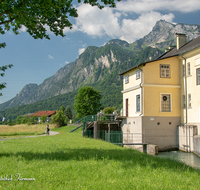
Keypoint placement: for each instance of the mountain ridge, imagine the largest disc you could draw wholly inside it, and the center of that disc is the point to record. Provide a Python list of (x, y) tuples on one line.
[(98, 64)]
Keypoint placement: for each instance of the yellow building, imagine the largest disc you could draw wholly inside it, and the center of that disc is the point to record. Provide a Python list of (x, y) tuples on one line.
[(162, 94)]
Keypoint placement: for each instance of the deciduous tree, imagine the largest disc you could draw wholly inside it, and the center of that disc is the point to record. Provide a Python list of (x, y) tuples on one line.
[(87, 101), (68, 112)]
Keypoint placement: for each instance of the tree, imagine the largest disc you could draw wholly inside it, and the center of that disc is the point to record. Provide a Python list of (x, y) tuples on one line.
[(60, 119), (37, 15), (68, 112), (87, 101), (109, 110), (62, 108), (43, 118)]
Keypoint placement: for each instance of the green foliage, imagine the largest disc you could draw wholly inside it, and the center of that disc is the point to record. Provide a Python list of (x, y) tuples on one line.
[(2, 73), (109, 110), (62, 108), (19, 120), (25, 119), (60, 119), (43, 119), (68, 112), (87, 101)]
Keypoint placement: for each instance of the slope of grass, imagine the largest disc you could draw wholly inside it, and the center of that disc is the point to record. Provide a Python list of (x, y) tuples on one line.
[(22, 130), (68, 161)]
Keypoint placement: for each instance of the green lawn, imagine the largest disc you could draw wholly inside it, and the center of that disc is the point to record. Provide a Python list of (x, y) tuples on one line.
[(68, 161)]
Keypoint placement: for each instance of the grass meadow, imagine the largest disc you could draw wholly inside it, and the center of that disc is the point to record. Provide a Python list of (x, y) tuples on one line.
[(22, 130), (69, 161)]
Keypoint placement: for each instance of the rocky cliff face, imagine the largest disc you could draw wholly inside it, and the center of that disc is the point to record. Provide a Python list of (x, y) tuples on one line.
[(98, 64), (163, 34)]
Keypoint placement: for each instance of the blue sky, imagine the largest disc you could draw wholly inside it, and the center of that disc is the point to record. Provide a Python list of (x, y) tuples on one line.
[(36, 60)]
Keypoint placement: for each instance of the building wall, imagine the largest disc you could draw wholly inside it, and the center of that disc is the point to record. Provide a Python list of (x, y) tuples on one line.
[(186, 136), (193, 112), (132, 79), (196, 145), (151, 72), (131, 96), (161, 131), (132, 130), (152, 100)]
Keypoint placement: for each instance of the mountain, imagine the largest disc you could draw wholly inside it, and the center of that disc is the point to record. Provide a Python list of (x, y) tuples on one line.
[(99, 67)]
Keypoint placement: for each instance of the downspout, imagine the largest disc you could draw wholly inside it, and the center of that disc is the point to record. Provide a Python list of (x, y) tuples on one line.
[(186, 110), (141, 90)]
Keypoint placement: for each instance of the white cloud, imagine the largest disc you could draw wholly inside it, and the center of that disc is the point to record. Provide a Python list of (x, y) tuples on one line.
[(134, 29), (96, 22), (66, 62), (81, 50), (141, 6), (50, 57), (23, 29), (118, 23)]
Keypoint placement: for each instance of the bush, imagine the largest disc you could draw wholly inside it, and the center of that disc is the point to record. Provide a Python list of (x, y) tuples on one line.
[(109, 110), (60, 119)]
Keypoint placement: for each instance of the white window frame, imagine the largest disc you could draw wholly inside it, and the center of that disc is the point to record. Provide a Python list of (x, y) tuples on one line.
[(126, 79), (170, 101), (138, 102), (164, 71), (138, 74)]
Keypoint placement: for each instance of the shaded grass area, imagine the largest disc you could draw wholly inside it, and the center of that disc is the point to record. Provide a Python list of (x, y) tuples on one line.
[(68, 161), (22, 130)]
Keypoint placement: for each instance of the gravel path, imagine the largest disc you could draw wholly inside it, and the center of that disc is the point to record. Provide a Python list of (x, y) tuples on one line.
[(51, 133)]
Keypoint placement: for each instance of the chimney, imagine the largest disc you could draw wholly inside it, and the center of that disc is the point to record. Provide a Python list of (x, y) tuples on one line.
[(181, 39)]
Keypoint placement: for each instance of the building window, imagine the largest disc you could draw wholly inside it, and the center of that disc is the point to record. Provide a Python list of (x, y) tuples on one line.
[(165, 71), (189, 101), (198, 76), (126, 79), (184, 102), (183, 72), (137, 103), (165, 103), (188, 67), (137, 74)]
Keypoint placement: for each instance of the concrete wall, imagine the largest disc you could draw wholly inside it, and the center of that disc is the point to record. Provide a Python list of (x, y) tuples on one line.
[(161, 131), (186, 137), (197, 145)]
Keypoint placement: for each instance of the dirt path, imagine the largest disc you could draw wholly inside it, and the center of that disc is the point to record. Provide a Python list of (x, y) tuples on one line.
[(51, 133)]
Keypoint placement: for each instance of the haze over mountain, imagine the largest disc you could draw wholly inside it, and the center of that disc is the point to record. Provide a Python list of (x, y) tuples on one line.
[(99, 66)]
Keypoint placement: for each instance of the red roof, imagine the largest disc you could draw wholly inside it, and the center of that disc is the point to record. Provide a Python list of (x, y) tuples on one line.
[(41, 113)]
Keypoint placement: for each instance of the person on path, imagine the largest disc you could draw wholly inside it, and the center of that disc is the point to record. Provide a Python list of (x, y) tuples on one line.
[(48, 129)]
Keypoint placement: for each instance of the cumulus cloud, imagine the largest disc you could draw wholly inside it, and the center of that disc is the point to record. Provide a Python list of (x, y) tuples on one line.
[(66, 62), (96, 22), (81, 50), (22, 29), (50, 57), (134, 29), (118, 23), (141, 6)]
